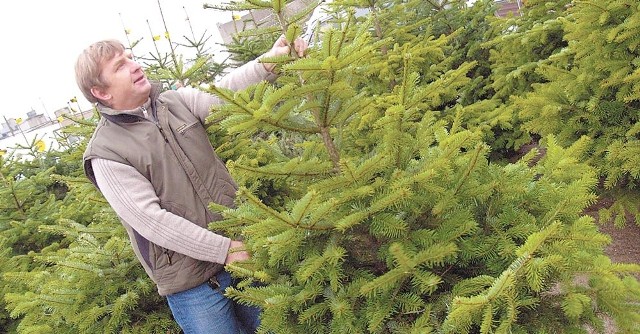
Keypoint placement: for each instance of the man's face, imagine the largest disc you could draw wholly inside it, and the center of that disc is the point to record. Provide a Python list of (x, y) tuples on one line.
[(128, 87)]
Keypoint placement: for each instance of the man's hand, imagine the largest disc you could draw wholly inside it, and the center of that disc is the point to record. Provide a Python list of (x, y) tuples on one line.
[(236, 252), (281, 47)]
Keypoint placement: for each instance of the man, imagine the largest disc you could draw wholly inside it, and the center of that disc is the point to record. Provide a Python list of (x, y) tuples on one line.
[(151, 158)]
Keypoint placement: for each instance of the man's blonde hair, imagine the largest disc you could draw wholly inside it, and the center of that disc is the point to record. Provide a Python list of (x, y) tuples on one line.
[(89, 63)]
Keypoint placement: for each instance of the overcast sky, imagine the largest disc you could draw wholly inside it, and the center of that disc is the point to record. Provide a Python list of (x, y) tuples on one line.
[(41, 40)]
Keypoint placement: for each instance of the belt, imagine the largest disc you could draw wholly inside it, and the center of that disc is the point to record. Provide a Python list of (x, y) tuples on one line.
[(213, 283)]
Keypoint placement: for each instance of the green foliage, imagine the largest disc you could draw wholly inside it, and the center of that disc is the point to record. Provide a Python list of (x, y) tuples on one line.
[(516, 47), (379, 188), (69, 267), (590, 89), (170, 67), (93, 285), (244, 49), (526, 42), (391, 216)]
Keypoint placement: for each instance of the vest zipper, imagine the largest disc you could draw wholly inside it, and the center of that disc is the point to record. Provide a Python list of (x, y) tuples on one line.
[(161, 131), (157, 124)]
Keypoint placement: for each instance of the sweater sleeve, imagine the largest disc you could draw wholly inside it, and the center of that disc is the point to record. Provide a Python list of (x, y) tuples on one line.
[(245, 75), (133, 199), (242, 77)]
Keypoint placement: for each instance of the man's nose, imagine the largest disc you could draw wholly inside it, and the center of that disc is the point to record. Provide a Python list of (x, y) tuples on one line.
[(135, 66)]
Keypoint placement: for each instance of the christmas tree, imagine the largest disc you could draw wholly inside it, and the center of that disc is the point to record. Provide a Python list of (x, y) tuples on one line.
[(592, 89), (370, 204), (69, 267)]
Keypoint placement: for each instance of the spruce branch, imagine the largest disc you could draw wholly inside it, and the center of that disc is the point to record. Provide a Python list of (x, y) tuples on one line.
[(320, 117), (280, 171), (273, 213), (11, 186), (225, 94), (232, 218), (320, 114), (168, 36), (591, 3), (480, 149), (239, 6), (266, 31), (256, 201), (56, 300)]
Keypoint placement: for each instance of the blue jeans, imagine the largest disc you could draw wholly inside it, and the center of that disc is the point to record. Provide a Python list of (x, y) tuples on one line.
[(204, 309)]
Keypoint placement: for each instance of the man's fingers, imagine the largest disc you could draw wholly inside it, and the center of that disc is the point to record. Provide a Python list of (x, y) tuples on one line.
[(300, 45), (282, 47), (282, 41)]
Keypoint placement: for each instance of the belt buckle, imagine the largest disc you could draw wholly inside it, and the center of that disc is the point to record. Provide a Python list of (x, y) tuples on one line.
[(213, 283)]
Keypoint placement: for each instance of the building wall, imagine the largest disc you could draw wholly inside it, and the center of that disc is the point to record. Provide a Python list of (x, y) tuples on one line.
[(35, 121), (7, 127), (66, 111), (508, 7)]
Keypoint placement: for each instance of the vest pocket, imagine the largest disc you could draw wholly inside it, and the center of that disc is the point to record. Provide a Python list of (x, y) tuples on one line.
[(162, 257), (182, 129)]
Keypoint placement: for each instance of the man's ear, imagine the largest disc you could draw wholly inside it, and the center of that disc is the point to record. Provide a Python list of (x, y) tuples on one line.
[(100, 94)]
